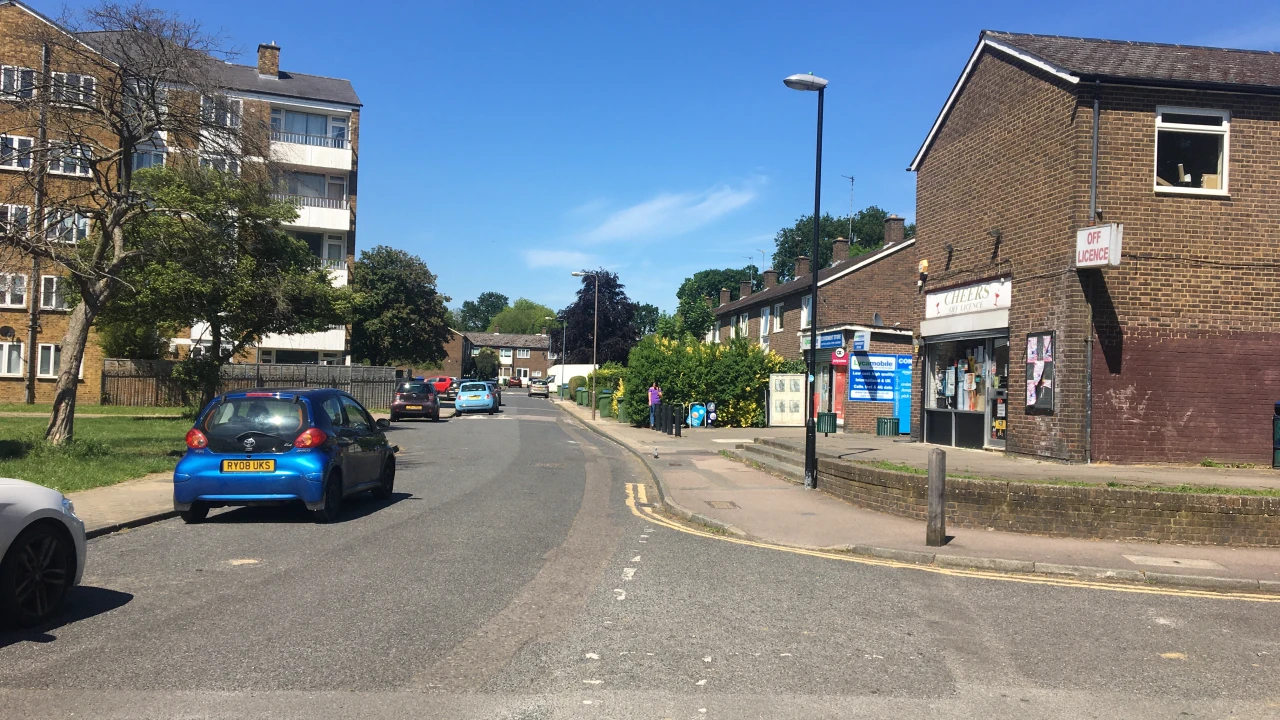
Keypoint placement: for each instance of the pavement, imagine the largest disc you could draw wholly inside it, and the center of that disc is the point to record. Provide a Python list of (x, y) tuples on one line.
[(513, 575), (702, 485)]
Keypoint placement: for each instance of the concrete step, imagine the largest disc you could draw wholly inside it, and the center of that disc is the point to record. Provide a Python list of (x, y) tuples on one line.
[(783, 469), (775, 454)]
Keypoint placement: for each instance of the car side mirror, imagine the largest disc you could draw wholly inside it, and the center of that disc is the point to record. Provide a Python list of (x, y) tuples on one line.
[(383, 423)]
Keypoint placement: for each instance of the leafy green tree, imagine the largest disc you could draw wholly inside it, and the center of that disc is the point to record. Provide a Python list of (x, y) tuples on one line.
[(695, 316), (708, 283), (486, 363), (646, 318), (130, 336), (476, 315), (221, 260), (398, 315), (524, 317), (866, 225)]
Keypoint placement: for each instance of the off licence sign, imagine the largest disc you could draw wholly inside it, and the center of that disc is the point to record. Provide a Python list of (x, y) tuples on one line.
[(1099, 245)]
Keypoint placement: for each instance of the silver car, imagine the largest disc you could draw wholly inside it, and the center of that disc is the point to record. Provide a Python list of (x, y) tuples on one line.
[(43, 546)]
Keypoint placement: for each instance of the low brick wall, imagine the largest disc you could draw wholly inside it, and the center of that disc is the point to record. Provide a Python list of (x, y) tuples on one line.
[(1063, 510)]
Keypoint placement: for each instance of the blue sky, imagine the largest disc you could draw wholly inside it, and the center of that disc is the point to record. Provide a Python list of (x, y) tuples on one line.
[(507, 143)]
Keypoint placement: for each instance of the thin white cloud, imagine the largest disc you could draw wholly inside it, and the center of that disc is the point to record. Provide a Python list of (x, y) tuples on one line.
[(671, 214), (571, 259), (586, 209)]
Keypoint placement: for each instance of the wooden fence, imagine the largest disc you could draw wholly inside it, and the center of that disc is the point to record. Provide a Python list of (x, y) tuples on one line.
[(150, 383)]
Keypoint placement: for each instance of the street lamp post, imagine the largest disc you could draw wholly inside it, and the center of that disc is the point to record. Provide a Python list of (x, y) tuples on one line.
[(595, 330), (810, 82)]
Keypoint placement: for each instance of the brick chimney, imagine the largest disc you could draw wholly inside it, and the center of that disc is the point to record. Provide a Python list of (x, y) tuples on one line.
[(544, 330), (269, 60), (894, 230), (839, 250), (744, 288), (711, 302), (802, 266), (724, 296), (770, 278)]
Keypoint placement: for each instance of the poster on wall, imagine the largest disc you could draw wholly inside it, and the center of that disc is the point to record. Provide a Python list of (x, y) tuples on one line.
[(872, 378), (1040, 373)]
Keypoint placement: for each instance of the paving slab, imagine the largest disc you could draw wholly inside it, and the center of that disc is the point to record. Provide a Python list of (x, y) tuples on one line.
[(125, 504)]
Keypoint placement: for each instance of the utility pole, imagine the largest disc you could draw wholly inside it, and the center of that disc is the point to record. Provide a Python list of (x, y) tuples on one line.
[(852, 239), (36, 224)]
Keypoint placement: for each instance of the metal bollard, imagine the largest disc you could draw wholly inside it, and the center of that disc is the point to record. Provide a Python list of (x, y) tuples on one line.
[(936, 531), (679, 419)]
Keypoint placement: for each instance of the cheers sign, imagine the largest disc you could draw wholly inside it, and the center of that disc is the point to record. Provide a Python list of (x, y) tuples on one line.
[(967, 299)]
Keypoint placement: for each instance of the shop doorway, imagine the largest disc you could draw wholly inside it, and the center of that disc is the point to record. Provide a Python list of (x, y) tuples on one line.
[(966, 391)]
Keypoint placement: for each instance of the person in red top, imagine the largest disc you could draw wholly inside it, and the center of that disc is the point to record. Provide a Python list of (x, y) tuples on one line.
[(655, 396)]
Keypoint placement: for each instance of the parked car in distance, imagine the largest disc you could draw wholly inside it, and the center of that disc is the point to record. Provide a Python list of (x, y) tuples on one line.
[(451, 393), (496, 387), (42, 551), (257, 447), (538, 386), (415, 398), (441, 383), (513, 381), (476, 397)]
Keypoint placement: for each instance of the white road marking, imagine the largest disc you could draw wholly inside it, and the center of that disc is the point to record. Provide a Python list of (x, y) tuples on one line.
[(622, 594), (244, 561), (701, 682), (628, 574), (733, 440), (1174, 562), (593, 682), (644, 536), (785, 655), (706, 659), (635, 559), (592, 656)]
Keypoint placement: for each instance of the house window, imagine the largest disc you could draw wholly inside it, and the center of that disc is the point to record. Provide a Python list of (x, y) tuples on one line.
[(221, 164), (10, 358), (13, 218), (805, 305), (475, 351), (53, 295), (744, 323), (504, 353), (764, 325), (17, 82), (308, 128), (523, 353), (267, 357), (777, 317), (50, 361), (67, 227), (335, 252), (717, 335), (72, 88), (69, 158), (143, 159), (1192, 150), (13, 290), (221, 110), (15, 151)]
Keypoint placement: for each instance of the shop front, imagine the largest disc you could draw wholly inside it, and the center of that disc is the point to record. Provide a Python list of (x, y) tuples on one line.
[(965, 337), (831, 377)]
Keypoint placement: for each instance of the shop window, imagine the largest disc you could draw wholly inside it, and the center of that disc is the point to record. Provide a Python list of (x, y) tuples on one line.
[(1191, 150), (1040, 373)]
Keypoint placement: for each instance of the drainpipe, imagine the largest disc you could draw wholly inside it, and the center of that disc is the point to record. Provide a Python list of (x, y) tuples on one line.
[(1093, 218), (35, 287)]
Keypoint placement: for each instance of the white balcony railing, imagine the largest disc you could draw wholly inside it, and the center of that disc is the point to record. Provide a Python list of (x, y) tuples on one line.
[(313, 140), (310, 201)]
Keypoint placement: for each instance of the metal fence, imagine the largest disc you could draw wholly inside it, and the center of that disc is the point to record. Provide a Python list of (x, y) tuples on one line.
[(150, 383)]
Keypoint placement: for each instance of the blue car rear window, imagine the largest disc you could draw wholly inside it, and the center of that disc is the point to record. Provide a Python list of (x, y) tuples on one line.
[(474, 387), (267, 415)]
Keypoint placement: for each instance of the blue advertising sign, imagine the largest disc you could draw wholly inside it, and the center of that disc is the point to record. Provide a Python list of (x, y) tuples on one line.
[(697, 414), (831, 339), (861, 340), (872, 377), (902, 402)]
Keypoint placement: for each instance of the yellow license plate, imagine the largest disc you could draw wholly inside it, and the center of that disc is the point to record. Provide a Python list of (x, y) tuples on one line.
[(412, 407), (471, 397), (233, 466)]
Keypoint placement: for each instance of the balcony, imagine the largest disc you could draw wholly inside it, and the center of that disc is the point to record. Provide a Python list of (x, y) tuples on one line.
[(318, 212), (316, 151), (337, 272)]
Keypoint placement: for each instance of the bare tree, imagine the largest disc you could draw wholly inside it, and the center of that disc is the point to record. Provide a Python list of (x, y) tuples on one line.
[(116, 80)]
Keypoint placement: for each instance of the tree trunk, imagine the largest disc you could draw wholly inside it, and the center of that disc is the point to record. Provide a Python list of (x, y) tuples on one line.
[(62, 422), (214, 373)]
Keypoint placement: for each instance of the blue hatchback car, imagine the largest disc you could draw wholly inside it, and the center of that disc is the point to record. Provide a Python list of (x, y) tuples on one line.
[(268, 447), (476, 396)]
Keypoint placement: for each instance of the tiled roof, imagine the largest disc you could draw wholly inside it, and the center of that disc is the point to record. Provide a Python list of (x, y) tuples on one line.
[(246, 77), (1091, 59), (803, 283), (511, 340)]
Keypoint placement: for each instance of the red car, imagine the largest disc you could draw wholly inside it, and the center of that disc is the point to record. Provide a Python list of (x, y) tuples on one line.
[(441, 384), (415, 398), (513, 381)]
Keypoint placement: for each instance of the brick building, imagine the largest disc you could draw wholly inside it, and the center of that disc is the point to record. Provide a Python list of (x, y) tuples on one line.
[(522, 356), (867, 299), (1166, 351)]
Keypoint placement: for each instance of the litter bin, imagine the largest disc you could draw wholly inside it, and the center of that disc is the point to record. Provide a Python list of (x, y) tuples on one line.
[(826, 422), (1275, 439), (582, 396), (604, 403), (886, 426)]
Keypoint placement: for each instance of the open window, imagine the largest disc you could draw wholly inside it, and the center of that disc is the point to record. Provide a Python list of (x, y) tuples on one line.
[(1192, 151)]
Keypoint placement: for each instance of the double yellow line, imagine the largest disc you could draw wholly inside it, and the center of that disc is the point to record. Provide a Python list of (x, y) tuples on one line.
[(637, 501)]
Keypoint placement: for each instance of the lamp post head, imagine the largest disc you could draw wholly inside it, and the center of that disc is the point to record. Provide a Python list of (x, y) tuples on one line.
[(807, 81), (577, 273)]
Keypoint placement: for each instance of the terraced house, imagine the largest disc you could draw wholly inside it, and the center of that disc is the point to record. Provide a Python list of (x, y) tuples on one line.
[(1099, 236)]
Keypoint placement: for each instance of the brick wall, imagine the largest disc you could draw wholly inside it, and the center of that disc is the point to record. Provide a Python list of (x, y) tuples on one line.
[(1063, 511), (454, 348)]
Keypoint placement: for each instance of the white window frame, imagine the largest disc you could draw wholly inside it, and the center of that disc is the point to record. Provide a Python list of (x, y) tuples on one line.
[(58, 293), (75, 155), (82, 93), (209, 110), (22, 152), (806, 311), (8, 369), (55, 360), (9, 212), (744, 322), (717, 331), (11, 76), (1223, 130), (777, 317), (10, 283), (66, 227), (267, 357), (221, 164), (474, 351), (765, 319), (523, 353), (504, 353), (522, 373), (157, 158)]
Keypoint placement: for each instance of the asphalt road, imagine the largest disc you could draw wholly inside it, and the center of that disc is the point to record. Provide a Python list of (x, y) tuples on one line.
[(509, 579)]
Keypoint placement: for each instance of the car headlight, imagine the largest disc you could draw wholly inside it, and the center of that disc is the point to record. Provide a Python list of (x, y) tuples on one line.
[(68, 507)]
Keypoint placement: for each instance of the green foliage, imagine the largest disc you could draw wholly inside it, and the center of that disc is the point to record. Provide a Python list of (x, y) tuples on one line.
[(131, 336), (398, 316), (105, 450), (646, 318), (865, 231), (475, 316), (576, 382), (617, 327), (486, 363), (693, 316), (607, 376), (734, 375), (524, 317)]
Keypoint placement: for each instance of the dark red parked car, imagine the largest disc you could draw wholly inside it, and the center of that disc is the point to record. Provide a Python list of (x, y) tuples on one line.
[(415, 398)]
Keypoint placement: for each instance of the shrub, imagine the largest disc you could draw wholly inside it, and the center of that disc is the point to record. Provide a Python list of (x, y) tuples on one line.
[(607, 376), (733, 375), (576, 382)]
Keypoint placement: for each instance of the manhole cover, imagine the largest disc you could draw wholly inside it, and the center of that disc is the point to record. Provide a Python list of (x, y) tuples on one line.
[(723, 504), (675, 464)]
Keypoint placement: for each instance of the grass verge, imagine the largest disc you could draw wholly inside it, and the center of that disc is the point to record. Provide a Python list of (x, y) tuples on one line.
[(106, 451), (46, 409)]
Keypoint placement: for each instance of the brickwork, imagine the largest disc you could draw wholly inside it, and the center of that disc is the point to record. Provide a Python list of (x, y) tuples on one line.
[(1063, 511), (1181, 330)]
